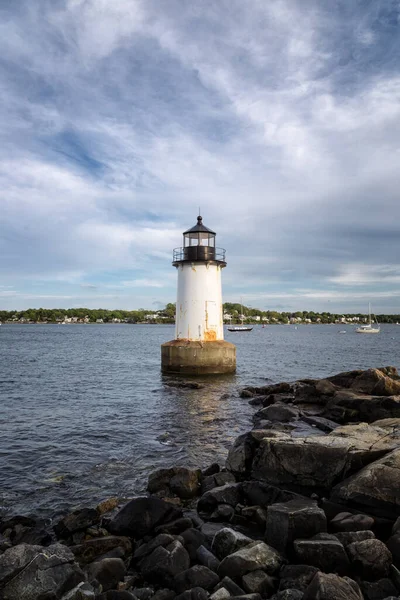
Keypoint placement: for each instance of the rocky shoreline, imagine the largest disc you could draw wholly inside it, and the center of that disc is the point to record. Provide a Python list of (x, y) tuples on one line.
[(307, 507)]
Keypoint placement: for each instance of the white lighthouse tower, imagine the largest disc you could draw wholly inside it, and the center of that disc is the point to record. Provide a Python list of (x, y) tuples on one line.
[(199, 346)]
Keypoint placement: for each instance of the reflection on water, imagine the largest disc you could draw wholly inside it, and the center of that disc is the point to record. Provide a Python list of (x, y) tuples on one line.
[(86, 413)]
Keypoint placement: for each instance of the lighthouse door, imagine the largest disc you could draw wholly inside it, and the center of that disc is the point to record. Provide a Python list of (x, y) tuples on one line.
[(210, 333)]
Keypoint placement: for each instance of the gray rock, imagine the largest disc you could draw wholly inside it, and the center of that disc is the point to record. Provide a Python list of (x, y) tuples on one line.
[(183, 482), (143, 593), (223, 512), (175, 527), (193, 539), (164, 594), (225, 494), (289, 594), (258, 582), (196, 593), (371, 559), (116, 595), (393, 544), (216, 480), (346, 521), (256, 514), (142, 515), (378, 590), (231, 586), (322, 423), (76, 521), (34, 572), (108, 572), (247, 597), (196, 576), (221, 594), (227, 541), (209, 530), (256, 555), (163, 539), (240, 455), (277, 412), (89, 550), (262, 494), (163, 564), (296, 577), (327, 586), (328, 555), (292, 520), (207, 558), (348, 537), (83, 591)]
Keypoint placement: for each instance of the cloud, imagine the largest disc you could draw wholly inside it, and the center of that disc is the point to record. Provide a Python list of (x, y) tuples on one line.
[(280, 119)]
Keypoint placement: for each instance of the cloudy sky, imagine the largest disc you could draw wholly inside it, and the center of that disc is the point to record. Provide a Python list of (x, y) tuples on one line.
[(280, 119)]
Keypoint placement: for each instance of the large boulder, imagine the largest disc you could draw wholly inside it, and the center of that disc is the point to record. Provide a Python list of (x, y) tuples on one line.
[(163, 564), (225, 494), (291, 520), (227, 541), (327, 586), (241, 454), (78, 520), (196, 576), (321, 461), (256, 555), (351, 406), (89, 550), (142, 515), (374, 382), (371, 559), (33, 572), (108, 572), (376, 486), (179, 481), (346, 521), (296, 576), (327, 555)]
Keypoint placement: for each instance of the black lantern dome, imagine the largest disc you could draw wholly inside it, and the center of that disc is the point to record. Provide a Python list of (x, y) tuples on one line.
[(199, 246)]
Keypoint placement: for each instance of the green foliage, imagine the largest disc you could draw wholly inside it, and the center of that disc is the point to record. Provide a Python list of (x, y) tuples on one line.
[(167, 315)]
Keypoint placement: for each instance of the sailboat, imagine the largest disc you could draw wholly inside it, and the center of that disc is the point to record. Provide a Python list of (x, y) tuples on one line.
[(369, 328), (240, 327)]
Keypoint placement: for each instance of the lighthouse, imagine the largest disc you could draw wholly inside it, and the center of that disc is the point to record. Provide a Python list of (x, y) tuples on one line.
[(199, 346)]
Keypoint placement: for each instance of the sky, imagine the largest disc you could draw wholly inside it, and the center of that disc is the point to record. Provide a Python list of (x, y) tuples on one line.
[(279, 119)]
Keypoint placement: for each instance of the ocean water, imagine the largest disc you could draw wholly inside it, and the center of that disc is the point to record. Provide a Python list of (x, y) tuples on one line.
[(86, 414)]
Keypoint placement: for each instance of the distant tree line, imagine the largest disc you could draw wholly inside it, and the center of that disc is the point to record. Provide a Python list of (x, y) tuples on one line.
[(167, 315)]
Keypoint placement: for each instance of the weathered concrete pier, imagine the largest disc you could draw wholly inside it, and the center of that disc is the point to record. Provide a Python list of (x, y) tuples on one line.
[(199, 346)]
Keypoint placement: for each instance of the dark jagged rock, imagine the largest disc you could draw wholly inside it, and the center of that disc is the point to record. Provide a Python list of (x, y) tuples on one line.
[(196, 593), (231, 586), (370, 559), (328, 555), (378, 590), (162, 539), (196, 576), (143, 593), (78, 520), (227, 541), (116, 595), (142, 515), (258, 582), (34, 572), (241, 454), (108, 572), (226, 494), (256, 555), (376, 486), (393, 545), (291, 520), (175, 527), (348, 537), (163, 564), (296, 576), (327, 586), (89, 550), (179, 481), (289, 594), (193, 539), (207, 558), (217, 480), (262, 494)]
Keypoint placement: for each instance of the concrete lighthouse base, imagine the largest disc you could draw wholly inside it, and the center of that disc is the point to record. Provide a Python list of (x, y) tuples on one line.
[(198, 358)]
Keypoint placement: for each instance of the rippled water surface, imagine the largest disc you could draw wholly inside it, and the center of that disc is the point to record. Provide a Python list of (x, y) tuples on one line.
[(86, 413)]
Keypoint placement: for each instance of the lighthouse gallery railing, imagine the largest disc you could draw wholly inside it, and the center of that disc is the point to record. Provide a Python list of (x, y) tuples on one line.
[(190, 253)]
